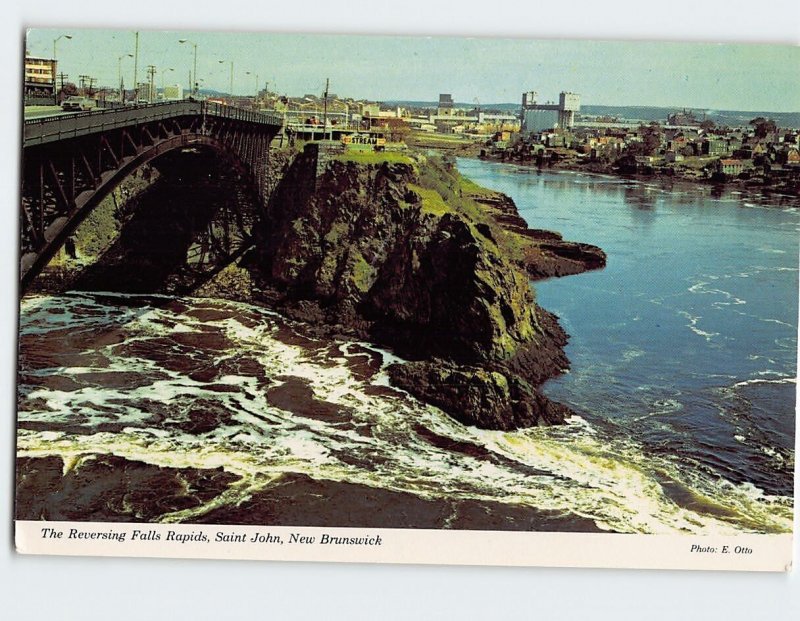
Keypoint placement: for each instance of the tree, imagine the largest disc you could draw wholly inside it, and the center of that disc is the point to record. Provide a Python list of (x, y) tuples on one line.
[(68, 90), (397, 130), (650, 143), (708, 124), (763, 126)]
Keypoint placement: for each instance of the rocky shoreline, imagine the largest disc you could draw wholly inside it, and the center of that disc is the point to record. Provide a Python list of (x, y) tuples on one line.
[(413, 257)]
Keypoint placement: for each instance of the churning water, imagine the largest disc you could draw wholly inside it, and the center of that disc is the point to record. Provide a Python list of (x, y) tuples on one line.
[(683, 370)]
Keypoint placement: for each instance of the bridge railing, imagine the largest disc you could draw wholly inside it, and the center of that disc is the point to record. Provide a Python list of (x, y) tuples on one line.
[(51, 129), (42, 130), (240, 114)]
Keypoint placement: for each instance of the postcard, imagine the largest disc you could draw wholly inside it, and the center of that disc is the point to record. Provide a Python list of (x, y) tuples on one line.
[(367, 299)]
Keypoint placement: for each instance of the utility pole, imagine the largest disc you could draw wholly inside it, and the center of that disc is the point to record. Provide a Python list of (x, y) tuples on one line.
[(325, 109), (83, 79), (136, 69), (192, 82), (63, 77)]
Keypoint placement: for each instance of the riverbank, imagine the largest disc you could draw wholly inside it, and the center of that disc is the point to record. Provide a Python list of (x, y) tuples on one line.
[(668, 177), (775, 184)]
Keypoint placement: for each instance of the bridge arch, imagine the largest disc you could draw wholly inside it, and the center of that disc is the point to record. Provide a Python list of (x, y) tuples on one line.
[(71, 163)]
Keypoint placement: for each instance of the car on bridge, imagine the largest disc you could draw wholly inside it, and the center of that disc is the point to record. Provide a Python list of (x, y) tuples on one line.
[(79, 104)]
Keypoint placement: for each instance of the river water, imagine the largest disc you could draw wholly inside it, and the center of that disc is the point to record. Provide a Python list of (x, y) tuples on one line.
[(683, 358)]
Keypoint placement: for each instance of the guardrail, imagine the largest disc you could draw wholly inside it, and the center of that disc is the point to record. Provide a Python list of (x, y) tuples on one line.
[(240, 114), (42, 130)]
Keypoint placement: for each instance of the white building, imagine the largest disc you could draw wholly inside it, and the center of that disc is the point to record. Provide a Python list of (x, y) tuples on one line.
[(173, 92), (538, 117)]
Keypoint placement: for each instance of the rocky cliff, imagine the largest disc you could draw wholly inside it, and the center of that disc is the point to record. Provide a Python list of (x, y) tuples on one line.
[(405, 252)]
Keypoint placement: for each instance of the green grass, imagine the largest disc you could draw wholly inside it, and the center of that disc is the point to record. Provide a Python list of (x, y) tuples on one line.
[(441, 176), (468, 186), (363, 273), (424, 137), (432, 201), (443, 189)]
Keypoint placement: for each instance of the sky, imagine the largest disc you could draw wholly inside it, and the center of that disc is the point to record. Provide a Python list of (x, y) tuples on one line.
[(474, 70)]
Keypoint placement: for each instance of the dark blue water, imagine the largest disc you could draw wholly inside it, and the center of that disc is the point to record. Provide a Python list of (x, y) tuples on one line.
[(683, 367), (687, 341)]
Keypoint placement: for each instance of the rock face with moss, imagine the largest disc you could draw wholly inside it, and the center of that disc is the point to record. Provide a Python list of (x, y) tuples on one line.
[(398, 250)]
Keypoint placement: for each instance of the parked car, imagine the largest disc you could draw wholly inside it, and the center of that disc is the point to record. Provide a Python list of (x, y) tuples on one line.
[(76, 103)]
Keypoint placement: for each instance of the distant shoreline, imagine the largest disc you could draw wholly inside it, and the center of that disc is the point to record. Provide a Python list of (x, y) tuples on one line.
[(718, 188)]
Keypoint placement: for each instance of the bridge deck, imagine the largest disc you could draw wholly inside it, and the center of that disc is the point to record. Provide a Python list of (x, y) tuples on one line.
[(52, 129)]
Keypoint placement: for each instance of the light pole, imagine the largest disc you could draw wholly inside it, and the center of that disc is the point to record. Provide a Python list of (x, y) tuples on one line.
[(163, 77), (55, 63), (136, 69), (230, 94), (193, 85), (255, 99), (119, 75), (56, 40)]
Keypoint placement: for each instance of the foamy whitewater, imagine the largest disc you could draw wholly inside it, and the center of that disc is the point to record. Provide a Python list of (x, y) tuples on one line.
[(684, 381)]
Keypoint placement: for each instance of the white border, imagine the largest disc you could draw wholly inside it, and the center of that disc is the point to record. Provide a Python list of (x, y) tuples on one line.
[(410, 546), (102, 588)]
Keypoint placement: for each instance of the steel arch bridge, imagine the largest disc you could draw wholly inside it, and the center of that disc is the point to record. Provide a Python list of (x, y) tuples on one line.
[(71, 162)]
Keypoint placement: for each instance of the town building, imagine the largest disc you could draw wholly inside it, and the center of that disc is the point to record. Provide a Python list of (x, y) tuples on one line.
[(173, 92), (685, 118), (144, 92), (40, 80), (538, 117), (446, 101), (715, 146), (731, 167)]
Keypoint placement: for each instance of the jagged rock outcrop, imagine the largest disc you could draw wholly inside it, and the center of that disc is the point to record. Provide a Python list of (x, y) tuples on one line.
[(547, 255), (477, 395), (395, 252), (367, 251)]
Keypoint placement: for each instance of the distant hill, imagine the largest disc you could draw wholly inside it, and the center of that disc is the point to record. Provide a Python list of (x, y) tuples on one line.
[(732, 118), (721, 117)]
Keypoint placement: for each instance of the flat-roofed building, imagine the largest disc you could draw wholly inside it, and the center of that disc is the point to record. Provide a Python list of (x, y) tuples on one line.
[(40, 79), (173, 92), (538, 117), (445, 101)]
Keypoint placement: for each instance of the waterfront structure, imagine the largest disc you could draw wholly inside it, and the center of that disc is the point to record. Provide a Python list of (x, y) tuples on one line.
[(538, 117), (40, 80), (731, 167)]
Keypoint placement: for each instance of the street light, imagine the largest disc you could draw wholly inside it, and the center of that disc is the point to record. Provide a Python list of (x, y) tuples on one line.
[(194, 72), (255, 99), (64, 36), (231, 91), (163, 77), (55, 63), (136, 68), (119, 76)]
